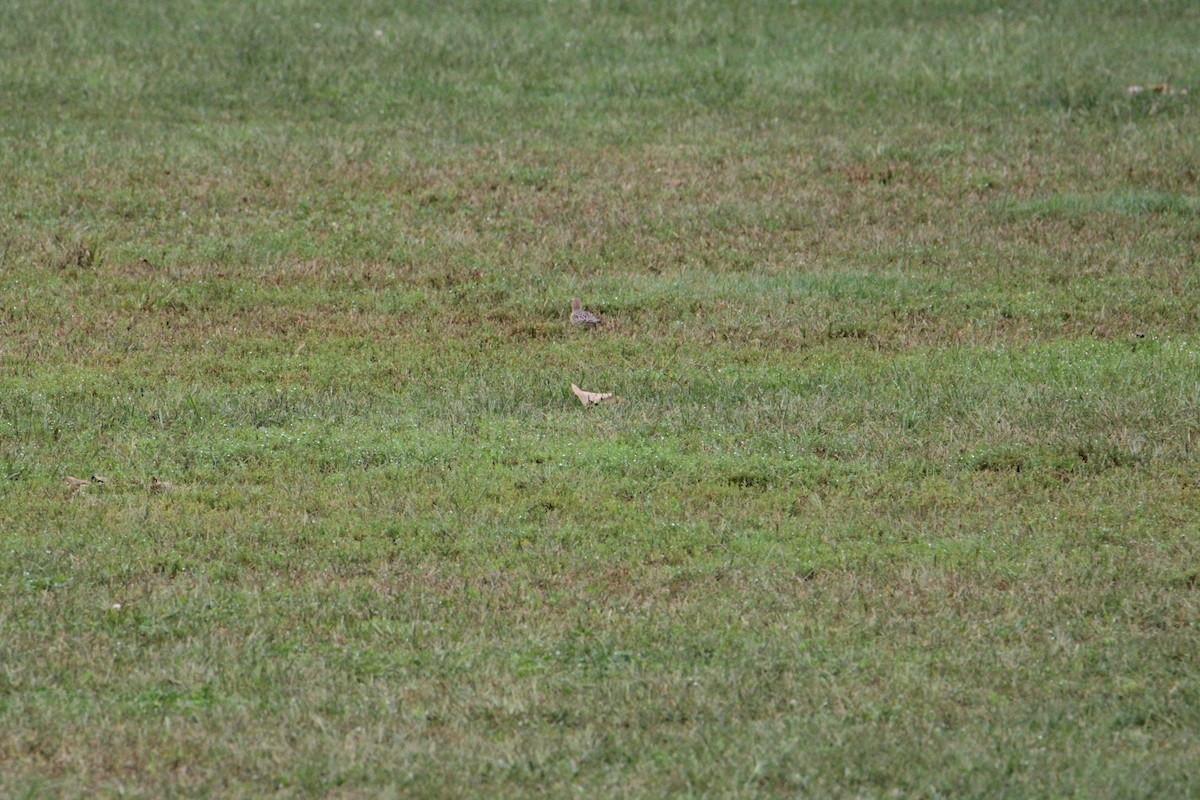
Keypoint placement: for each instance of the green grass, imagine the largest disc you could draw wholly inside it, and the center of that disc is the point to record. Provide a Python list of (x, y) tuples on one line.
[(900, 498)]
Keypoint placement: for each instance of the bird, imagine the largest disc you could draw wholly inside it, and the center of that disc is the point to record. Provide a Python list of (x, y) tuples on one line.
[(581, 317), (77, 485), (161, 487)]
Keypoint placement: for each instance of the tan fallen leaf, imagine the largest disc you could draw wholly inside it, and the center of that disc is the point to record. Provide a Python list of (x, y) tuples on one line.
[(77, 485), (590, 398), (1157, 88), (160, 487)]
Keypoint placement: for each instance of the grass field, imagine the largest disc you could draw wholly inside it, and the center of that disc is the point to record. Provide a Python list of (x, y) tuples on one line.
[(900, 498)]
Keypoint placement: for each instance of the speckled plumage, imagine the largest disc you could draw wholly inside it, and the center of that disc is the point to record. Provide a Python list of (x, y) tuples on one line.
[(581, 317), (77, 485), (161, 487)]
